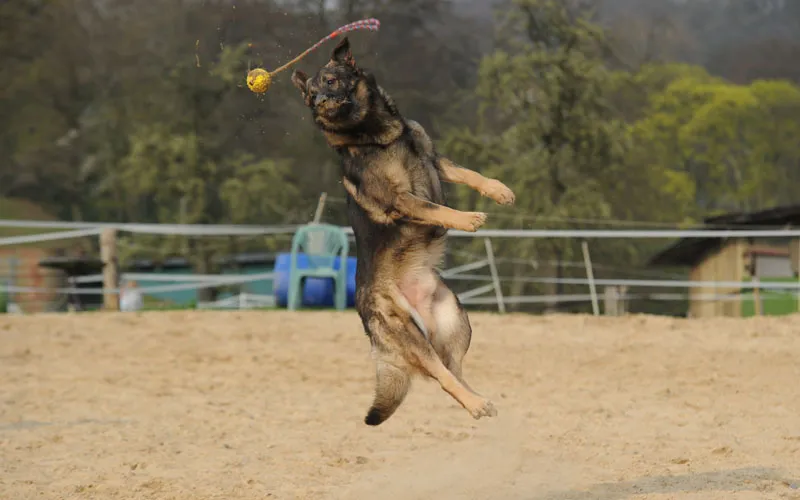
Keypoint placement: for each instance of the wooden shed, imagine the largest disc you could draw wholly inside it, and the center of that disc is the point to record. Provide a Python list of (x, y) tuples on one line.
[(754, 260), (19, 268)]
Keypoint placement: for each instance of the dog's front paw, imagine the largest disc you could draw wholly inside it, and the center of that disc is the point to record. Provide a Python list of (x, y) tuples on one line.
[(472, 221), (498, 192)]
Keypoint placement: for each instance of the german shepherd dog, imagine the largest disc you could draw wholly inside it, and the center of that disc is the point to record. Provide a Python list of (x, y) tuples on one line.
[(397, 209)]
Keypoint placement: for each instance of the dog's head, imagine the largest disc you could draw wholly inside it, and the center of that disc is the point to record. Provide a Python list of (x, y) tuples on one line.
[(340, 94)]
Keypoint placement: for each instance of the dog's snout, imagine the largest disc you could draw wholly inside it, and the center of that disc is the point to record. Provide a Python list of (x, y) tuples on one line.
[(320, 99)]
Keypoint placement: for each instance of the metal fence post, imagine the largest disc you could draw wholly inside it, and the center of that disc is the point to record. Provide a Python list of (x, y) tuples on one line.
[(501, 306), (590, 276)]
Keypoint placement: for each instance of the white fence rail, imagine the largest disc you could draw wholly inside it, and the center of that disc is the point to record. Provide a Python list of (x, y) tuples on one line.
[(466, 272), (238, 230), (219, 280), (240, 301)]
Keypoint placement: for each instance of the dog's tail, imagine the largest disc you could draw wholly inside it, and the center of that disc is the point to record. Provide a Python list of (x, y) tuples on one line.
[(391, 387)]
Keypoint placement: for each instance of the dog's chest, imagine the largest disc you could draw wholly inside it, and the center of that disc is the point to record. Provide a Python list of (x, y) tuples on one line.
[(395, 168)]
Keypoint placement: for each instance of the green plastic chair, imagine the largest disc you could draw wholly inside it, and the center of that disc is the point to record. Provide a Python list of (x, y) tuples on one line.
[(322, 243)]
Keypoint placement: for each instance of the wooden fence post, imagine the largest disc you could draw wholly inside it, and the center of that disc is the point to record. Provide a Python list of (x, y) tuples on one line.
[(794, 256), (611, 301), (108, 256)]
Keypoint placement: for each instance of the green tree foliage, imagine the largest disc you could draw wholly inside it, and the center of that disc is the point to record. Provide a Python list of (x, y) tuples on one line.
[(731, 147), (184, 171), (547, 129), (80, 79)]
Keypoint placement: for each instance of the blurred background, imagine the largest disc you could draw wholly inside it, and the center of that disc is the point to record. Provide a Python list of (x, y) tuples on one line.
[(599, 114)]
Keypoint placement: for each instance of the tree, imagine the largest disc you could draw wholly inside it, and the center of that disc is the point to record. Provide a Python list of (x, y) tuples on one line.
[(45, 87), (732, 146), (177, 172), (547, 129), (652, 189)]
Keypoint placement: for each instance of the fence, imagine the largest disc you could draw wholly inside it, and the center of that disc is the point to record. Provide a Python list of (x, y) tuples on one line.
[(488, 289)]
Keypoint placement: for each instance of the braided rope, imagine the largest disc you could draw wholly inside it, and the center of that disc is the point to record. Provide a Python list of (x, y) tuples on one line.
[(370, 24)]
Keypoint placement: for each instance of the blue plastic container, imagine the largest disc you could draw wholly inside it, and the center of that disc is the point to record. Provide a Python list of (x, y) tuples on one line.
[(317, 292)]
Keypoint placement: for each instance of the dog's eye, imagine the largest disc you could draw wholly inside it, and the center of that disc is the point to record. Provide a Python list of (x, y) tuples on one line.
[(330, 81)]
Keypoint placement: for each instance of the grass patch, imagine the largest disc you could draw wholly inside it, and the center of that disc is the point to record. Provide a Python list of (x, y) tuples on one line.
[(776, 302)]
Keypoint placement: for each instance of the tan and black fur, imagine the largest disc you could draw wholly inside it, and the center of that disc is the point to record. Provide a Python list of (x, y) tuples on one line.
[(396, 206)]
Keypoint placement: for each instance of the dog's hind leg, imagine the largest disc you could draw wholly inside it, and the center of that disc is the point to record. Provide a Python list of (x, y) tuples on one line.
[(453, 332), (400, 348), (430, 362), (449, 331)]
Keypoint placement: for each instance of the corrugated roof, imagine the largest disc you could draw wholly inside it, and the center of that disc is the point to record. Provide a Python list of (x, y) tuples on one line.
[(773, 218), (690, 251)]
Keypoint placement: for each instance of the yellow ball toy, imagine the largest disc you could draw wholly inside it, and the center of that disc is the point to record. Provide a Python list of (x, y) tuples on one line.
[(259, 80)]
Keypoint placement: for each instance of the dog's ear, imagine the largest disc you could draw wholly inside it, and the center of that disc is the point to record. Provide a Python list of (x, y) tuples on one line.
[(341, 53), (300, 80)]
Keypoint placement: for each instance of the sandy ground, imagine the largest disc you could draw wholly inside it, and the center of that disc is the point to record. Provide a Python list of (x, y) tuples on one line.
[(202, 405)]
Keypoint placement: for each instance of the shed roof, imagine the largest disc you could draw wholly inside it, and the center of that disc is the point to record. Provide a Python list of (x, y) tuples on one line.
[(690, 251)]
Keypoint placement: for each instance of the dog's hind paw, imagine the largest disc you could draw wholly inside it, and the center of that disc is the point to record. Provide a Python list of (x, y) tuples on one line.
[(485, 409)]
